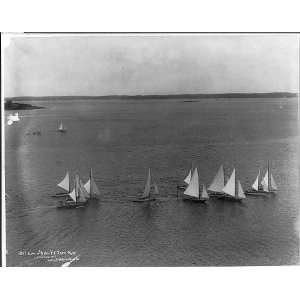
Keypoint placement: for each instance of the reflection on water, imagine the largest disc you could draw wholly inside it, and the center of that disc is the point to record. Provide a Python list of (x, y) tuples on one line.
[(120, 140)]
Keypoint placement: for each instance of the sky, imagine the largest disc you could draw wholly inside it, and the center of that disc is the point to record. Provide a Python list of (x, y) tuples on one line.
[(149, 64)]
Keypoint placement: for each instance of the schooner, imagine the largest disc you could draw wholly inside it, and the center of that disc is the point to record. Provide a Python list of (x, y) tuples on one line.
[(77, 198), (150, 190), (266, 186)]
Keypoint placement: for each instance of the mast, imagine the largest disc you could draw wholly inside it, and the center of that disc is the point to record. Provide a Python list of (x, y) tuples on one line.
[(91, 186), (269, 177)]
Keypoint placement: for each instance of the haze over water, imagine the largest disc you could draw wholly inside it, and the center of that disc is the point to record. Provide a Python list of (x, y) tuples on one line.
[(120, 140)]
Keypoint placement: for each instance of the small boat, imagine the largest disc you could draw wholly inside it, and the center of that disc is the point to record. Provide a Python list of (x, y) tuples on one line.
[(91, 187), (216, 187), (77, 198), (192, 191), (265, 187), (186, 181), (151, 189), (233, 189), (65, 185), (62, 128), (256, 188)]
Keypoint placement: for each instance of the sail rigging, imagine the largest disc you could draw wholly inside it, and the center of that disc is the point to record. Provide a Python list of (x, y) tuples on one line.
[(217, 184), (193, 187)]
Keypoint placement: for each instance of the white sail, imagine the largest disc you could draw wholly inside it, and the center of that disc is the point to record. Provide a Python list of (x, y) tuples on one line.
[(73, 195), (65, 183), (83, 190), (91, 186), (265, 183), (155, 187), (255, 185), (229, 188), (217, 184), (147, 186), (61, 126), (193, 187), (273, 184), (241, 193), (94, 189), (188, 177), (87, 186), (204, 194)]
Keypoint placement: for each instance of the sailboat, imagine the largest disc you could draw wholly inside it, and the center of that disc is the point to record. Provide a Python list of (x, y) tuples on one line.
[(77, 198), (233, 189), (192, 191), (256, 188), (150, 190), (186, 181), (268, 183), (91, 187), (62, 128), (216, 187), (65, 185)]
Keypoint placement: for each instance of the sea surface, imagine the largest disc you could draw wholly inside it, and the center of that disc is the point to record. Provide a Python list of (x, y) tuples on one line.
[(120, 140)]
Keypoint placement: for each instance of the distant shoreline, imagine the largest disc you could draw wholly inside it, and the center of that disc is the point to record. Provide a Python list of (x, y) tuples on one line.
[(10, 105), (169, 96)]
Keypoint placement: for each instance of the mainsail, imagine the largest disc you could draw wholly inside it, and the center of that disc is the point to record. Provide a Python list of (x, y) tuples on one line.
[(147, 186), (204, 194), (65, 183), (229, 188), (61, 126), (255, 185), (193, 187), (264, 182), (188, 177), (218, 183)]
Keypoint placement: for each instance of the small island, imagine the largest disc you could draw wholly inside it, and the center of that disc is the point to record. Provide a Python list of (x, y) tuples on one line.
[(10, 105)]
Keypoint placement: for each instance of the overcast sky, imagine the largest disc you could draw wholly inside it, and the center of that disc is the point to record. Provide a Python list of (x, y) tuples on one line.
[(151, 64)]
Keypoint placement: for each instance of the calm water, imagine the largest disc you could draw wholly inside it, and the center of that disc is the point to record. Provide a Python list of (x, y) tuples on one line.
[(121, 140)]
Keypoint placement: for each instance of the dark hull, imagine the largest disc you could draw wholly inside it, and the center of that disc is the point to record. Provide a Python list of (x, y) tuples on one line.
[(58, 195), (70, 204), (259, 193), (216, 194), (142, 200), (230, 198)]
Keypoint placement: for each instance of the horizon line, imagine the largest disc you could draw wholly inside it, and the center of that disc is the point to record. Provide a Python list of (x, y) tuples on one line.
[(158, 95)]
